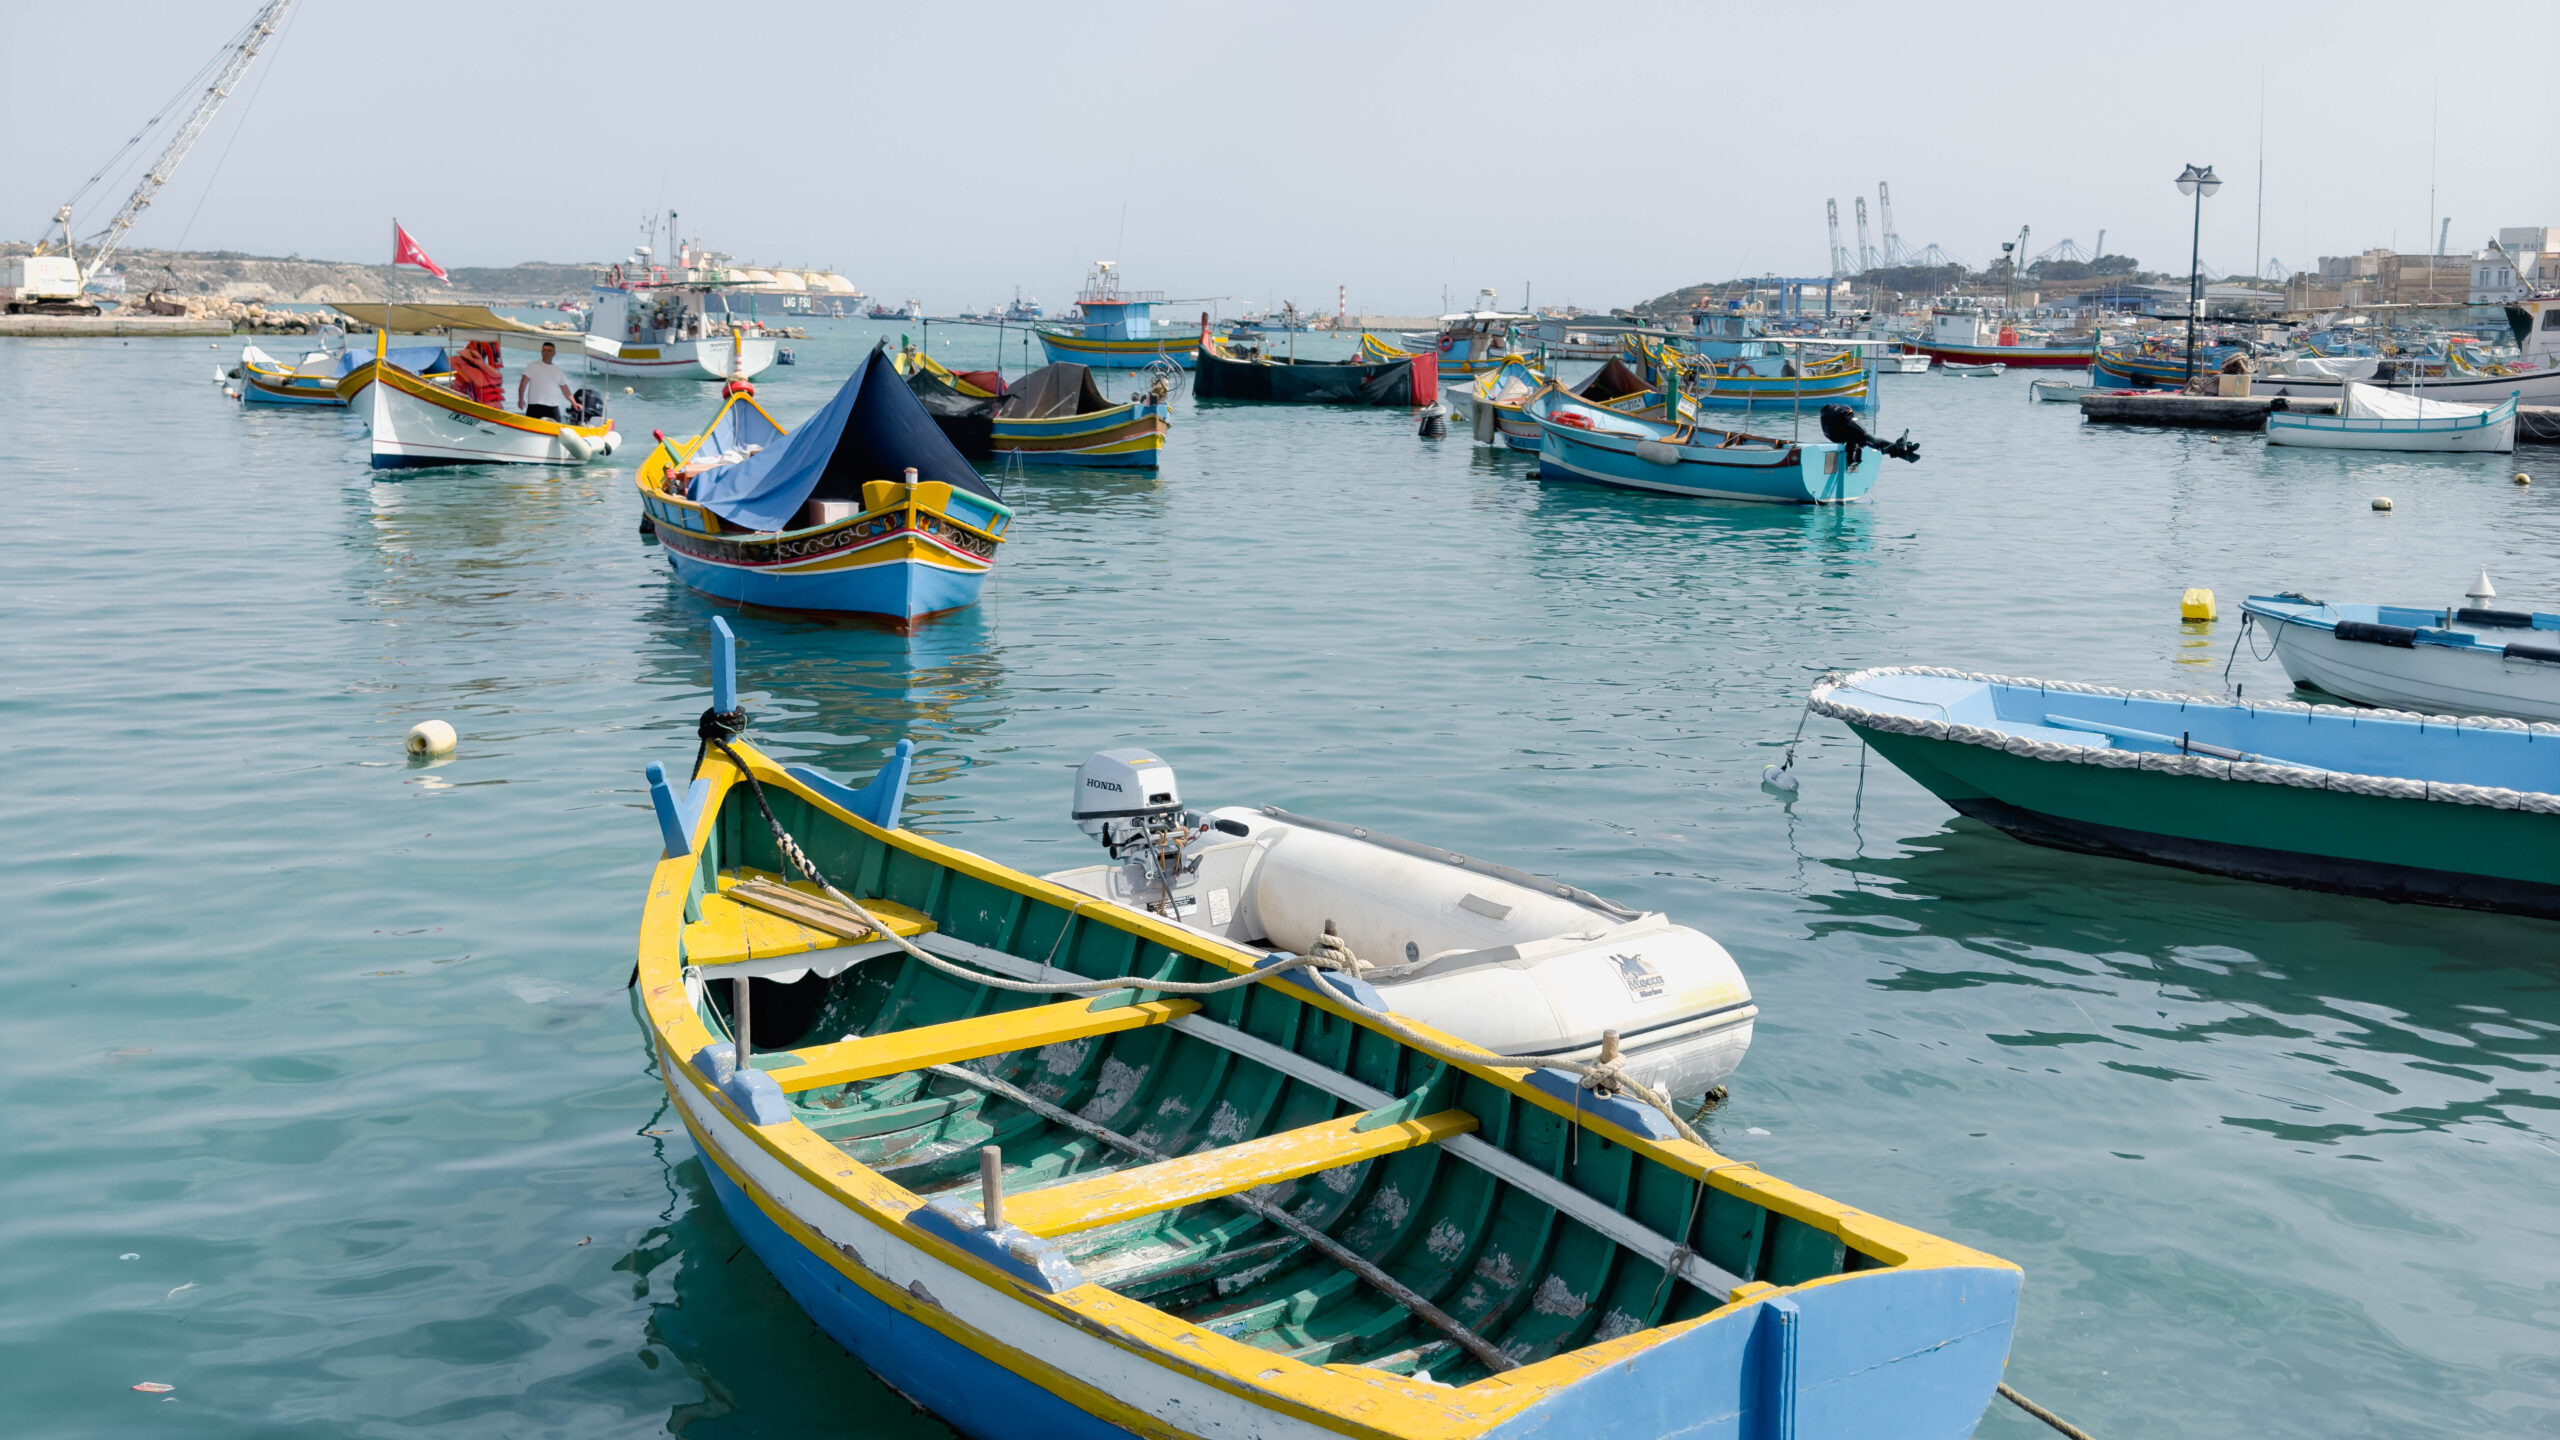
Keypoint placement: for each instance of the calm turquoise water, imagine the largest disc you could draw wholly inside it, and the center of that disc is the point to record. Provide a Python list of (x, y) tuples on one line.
[(337, 1049)]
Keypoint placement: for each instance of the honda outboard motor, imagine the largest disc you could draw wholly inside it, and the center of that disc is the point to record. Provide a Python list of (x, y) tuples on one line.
[(1840, 426), (1127, 799)]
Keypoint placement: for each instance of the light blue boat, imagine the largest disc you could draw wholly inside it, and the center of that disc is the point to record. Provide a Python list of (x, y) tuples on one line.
[(2461, 812), (2443, 660), (1578, 440)]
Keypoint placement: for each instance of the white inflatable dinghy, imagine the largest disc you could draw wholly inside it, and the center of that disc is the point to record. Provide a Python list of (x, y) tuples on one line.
[(1511, 961)]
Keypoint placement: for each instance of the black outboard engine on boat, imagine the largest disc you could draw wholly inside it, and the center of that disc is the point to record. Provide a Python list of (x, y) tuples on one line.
[(1840, 426), (586, 407)]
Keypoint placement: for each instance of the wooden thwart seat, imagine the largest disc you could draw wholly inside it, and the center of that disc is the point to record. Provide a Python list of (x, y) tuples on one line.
[(781, 920), (957, 1041), (1187, 1180)]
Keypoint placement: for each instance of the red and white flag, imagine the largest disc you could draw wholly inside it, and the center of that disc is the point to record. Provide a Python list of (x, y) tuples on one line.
[(405, 251)]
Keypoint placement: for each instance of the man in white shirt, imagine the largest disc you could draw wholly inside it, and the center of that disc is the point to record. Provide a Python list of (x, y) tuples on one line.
[(541, 381)]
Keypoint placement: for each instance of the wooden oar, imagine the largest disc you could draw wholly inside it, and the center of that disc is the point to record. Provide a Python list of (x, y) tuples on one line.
[(796, 905), (2174, 742)]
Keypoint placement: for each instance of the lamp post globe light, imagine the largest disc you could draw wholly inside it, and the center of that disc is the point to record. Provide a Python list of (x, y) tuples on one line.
[(2199, 183)]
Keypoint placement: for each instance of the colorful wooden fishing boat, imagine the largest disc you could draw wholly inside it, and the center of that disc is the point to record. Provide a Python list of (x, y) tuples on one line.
[(1499, 399), (1774, 373), (2154, 364), (812, 519), (1235, 372), (1267, 1212), (2455, 660), (2372, 418), (265, 380), (1970, 337), (1115, 329), (413, 421), (2534, 376), (1472, 342), (1055, 415), (1373, 348), (2382, 803), (1582, 441)]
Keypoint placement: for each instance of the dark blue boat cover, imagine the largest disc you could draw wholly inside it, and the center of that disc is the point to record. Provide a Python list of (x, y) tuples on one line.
[(875, 429)]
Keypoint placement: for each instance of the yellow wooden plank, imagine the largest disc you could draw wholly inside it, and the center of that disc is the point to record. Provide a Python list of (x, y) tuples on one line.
[(730, 932), (1190, 1179), (873, 1056)]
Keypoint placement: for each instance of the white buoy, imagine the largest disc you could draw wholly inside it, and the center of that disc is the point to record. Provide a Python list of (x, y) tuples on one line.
[(431, 737), (2481, 592), (612, 442), (1779, 777), (576, 444), (2381, 502)]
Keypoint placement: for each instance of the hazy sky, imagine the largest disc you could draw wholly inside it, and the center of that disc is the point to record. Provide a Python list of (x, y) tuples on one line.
[(1603, 153)]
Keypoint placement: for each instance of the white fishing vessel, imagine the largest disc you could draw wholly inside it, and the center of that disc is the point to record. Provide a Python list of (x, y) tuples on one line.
[(464, 414), (1509, 960), (2469, 659), (2372, 418), (647, 321)]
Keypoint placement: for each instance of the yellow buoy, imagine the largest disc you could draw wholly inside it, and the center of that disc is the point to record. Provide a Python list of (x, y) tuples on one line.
[(431, 737), (2197, 604), (2381, 502), (2523, 479)]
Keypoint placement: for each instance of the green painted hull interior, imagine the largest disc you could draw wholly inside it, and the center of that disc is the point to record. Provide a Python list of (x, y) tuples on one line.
[(1504, 1263)]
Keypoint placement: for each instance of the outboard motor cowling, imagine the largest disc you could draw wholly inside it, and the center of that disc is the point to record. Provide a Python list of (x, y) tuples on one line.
[(1125, 792), (586, 407), (1840, 426)]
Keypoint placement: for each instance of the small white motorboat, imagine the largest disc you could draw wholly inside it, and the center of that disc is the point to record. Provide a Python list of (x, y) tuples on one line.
[(1953, 367), (2059, 392), (2469, 659), (1514, 962), (2372, 418), (1905, 363)]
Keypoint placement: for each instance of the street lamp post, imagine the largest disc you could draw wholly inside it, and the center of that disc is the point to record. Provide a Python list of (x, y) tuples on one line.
[(2198, 183)]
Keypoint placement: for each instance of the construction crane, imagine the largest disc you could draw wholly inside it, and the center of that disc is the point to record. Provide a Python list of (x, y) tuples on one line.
[(1866, 252), (33, 284), (2067, 250), (1894, 251), (1839, 258)]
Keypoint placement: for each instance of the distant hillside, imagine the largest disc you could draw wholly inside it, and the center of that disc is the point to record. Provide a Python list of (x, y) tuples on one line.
[(228, 275)]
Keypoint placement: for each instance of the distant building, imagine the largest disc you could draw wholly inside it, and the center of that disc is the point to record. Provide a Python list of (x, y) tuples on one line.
[(2524, 259)]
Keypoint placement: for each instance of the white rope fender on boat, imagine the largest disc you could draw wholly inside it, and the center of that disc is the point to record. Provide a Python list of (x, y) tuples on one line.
[(1823, 700)]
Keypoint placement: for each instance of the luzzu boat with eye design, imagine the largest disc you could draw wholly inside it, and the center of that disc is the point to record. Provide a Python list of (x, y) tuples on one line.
[(865, 509), (1057, 1167)]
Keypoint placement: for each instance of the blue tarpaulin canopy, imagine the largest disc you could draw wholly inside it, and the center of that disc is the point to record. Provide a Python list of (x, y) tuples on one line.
[(416, 359), (875, 429)]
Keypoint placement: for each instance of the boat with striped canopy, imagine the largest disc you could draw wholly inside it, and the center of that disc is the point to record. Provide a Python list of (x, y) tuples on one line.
[(865, 509), (1051, 1166)]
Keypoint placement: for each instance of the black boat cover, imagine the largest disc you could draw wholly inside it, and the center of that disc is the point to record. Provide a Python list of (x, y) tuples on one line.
[(1613, 381), (874, 429), (1324, 382), (1065, 388)]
